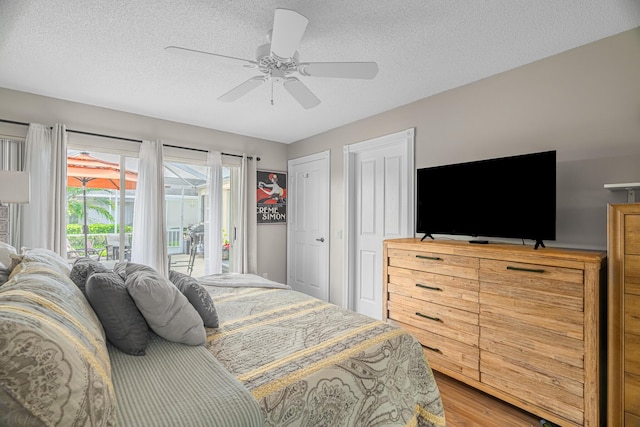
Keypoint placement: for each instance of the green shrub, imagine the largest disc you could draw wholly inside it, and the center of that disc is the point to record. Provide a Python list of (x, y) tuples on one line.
[(74, 229), (96, 228)]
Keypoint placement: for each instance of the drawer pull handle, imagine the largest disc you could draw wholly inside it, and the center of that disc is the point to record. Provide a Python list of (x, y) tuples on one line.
[(437, 319), (431, 288), (530, 270), (434, 349), (433, 258)]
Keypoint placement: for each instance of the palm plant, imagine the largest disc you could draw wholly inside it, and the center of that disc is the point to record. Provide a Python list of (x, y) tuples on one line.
[(99, 205)]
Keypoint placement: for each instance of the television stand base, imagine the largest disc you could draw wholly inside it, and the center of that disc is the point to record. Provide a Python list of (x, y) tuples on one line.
[(538, 244), (480, 242)]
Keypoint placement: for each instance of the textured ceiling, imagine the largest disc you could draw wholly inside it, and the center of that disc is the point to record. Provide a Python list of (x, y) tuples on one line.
[(111, 53)]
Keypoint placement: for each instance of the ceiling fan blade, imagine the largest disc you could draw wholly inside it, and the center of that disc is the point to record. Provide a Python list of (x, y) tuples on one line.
[(345, 70), (288, 28), (242, 89), (301, 93), (183, 51)]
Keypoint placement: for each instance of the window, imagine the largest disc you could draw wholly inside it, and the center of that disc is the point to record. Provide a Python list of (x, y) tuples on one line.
[(109, 211)]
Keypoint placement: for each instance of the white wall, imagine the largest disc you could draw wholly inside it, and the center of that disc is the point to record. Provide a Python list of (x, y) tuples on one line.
[(26, 107), (584, 103)]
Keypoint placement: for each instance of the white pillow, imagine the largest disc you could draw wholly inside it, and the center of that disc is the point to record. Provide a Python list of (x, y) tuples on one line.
[(46, 256), (5, 259)]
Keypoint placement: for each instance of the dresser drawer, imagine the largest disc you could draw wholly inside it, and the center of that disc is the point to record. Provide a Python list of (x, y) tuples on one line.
[(449, 322), (632, 393), (538, 352), (631, 420), (506, 271), (445, 354), (632, 314), (444, 290), (632, 353), (540, 295), (632, 274), (501, 310), (562, 396), (632, 234), (431, 262)]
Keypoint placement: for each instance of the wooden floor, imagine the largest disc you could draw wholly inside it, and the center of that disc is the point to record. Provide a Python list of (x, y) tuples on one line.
[(467, 407)]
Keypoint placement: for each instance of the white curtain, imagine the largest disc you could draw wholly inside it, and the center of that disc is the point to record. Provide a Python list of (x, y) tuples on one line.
[(58, 187), (149, 245), (213, 221), (12, 158), (244, 253), (44, 218)]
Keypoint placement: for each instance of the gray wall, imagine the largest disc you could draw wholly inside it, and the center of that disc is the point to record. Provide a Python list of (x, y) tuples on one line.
[(584, 103), (25, 107)]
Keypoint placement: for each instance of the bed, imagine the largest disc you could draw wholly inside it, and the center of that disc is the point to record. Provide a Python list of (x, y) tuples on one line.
[(311, 363)]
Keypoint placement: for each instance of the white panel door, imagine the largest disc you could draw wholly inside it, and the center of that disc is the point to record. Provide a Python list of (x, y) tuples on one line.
[(308, 225), (381, 198)]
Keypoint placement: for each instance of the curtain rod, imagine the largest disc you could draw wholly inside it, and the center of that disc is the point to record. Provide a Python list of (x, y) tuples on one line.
[(120, 138)]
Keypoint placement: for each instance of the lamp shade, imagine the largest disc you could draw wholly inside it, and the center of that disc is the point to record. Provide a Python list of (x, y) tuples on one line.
[(15, 187)]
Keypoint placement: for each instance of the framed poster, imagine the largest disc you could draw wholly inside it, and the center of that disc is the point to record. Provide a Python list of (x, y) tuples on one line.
[(271, 197)]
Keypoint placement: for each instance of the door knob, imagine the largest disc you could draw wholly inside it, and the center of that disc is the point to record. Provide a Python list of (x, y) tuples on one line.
[(320, 239)]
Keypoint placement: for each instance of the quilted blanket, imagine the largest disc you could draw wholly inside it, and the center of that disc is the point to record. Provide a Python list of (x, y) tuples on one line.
[(311, 363)]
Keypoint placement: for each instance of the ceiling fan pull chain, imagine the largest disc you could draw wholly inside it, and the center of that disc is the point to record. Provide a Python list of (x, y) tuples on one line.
[(271, 91)]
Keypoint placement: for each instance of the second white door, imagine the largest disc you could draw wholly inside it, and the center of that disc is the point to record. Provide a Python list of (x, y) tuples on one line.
[(380, 206)]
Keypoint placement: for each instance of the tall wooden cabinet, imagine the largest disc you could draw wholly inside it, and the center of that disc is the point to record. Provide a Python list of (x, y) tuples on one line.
[(624, 315), (524, 325)]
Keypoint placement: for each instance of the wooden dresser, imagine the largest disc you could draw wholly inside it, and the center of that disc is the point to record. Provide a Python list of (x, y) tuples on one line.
[(624, 315), (523, 325)]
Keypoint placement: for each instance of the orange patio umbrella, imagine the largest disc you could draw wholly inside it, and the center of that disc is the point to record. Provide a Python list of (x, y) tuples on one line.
[(86, 171)]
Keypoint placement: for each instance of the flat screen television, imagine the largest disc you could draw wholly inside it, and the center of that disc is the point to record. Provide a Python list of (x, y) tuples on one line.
[(508, 197)]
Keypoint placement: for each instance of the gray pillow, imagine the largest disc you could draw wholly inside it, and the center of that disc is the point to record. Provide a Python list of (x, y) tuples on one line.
[(197, 296), (126, 268), (123, 323), (82, 269), (166, 310)]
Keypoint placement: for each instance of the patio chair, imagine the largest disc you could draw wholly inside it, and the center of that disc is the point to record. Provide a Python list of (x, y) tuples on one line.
[(73, 253), (112, 247), (188, 262)]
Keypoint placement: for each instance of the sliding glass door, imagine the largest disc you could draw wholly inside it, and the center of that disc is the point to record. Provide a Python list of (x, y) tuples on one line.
[(100, 198), (186, 195)]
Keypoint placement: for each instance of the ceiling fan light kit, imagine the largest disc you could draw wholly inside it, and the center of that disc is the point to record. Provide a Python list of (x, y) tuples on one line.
[(279, 59)]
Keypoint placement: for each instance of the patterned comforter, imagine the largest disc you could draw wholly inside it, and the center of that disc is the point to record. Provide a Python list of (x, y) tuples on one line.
[(310, 363)]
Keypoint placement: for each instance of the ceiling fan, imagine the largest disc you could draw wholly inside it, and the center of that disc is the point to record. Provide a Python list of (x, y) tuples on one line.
[(278, 59)]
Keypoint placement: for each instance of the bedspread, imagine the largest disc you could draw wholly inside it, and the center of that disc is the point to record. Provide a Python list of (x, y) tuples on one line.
[(311, 363)]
